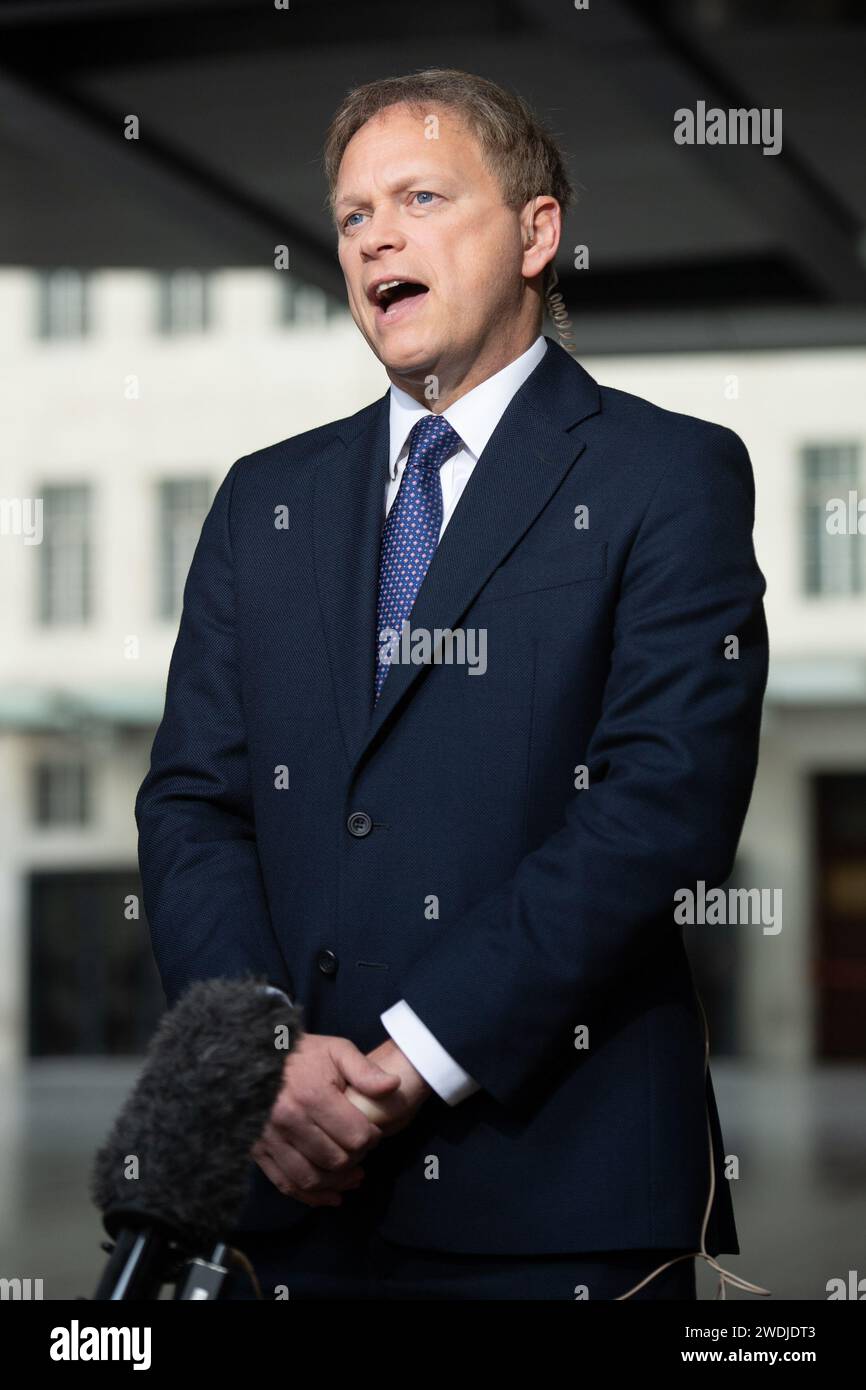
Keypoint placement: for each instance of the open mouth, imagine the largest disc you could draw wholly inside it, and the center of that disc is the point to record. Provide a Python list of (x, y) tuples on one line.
[(394, 299)]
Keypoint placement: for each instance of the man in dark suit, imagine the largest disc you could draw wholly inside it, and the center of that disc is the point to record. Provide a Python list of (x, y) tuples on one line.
[(467, 686)]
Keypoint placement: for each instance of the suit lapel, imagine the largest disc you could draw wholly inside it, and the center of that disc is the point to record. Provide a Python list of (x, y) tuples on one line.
[(348, 514), (526, 458)]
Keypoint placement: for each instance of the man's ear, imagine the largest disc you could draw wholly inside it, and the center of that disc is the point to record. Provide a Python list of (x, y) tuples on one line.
[(542, 227)]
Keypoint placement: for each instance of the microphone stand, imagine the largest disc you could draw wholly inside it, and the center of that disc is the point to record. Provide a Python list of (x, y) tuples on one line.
[(146, 1257)]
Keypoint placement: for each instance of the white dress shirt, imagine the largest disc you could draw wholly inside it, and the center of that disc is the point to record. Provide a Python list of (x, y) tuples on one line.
[(474, 417)]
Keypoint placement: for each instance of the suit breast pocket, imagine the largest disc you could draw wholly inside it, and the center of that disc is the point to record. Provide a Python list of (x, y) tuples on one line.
[(573, 563)]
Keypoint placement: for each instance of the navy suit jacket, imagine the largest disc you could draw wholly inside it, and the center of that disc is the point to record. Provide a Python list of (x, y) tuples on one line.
[(608, 646)]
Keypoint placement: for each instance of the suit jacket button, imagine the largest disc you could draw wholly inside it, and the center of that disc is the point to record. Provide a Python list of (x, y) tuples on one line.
[(327, 962), (359, 824)]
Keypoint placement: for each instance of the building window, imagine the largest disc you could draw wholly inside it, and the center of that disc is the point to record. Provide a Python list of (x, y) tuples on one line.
[(304, 304), (63, 304), (184, 302), (183, 505), (65, 555), (61, 793), (835, 559)]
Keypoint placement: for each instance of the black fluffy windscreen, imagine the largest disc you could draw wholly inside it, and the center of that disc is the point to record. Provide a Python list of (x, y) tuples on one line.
[(178, 1152)]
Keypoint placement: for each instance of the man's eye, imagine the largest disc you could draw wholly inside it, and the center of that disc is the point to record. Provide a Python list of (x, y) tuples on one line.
[(425, 193), (348, 220)]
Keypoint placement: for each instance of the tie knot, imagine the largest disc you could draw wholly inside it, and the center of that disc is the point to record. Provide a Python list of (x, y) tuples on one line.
[(431, 442)]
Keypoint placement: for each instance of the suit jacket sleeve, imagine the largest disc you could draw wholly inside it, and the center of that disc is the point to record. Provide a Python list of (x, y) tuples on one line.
[(671, 764), (202, 886)]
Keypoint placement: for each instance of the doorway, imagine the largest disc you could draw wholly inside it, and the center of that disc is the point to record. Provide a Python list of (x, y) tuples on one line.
[(94, 989), (839, 962)]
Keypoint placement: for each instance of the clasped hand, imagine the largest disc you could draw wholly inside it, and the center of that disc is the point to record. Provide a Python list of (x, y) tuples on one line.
[(334, 1107)]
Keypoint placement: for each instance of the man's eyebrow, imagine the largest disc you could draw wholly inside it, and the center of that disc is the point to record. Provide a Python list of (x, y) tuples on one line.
[(404, 182)]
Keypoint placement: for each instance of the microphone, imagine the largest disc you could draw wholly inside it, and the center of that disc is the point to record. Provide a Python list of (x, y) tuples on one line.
[(171, 1178)]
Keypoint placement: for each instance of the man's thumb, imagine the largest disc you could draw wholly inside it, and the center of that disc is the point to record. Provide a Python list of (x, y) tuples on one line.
[(366, 1076)]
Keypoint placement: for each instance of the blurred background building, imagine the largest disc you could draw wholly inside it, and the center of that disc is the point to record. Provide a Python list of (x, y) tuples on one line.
[(134, 392), (146, 342)]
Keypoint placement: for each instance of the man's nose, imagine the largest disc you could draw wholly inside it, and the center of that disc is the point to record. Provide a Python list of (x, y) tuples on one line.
[(380, 233)]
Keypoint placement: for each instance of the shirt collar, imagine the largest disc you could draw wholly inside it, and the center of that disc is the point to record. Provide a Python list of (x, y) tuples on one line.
[(475, 415)]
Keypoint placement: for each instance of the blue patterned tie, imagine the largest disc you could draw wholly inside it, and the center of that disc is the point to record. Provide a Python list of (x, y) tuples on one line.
[(411, 531)]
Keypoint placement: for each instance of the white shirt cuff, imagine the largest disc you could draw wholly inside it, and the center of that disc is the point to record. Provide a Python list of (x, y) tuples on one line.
[(427, 1055)]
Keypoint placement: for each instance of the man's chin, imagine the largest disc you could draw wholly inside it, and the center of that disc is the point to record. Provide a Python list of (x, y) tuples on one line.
[(407, 354)]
